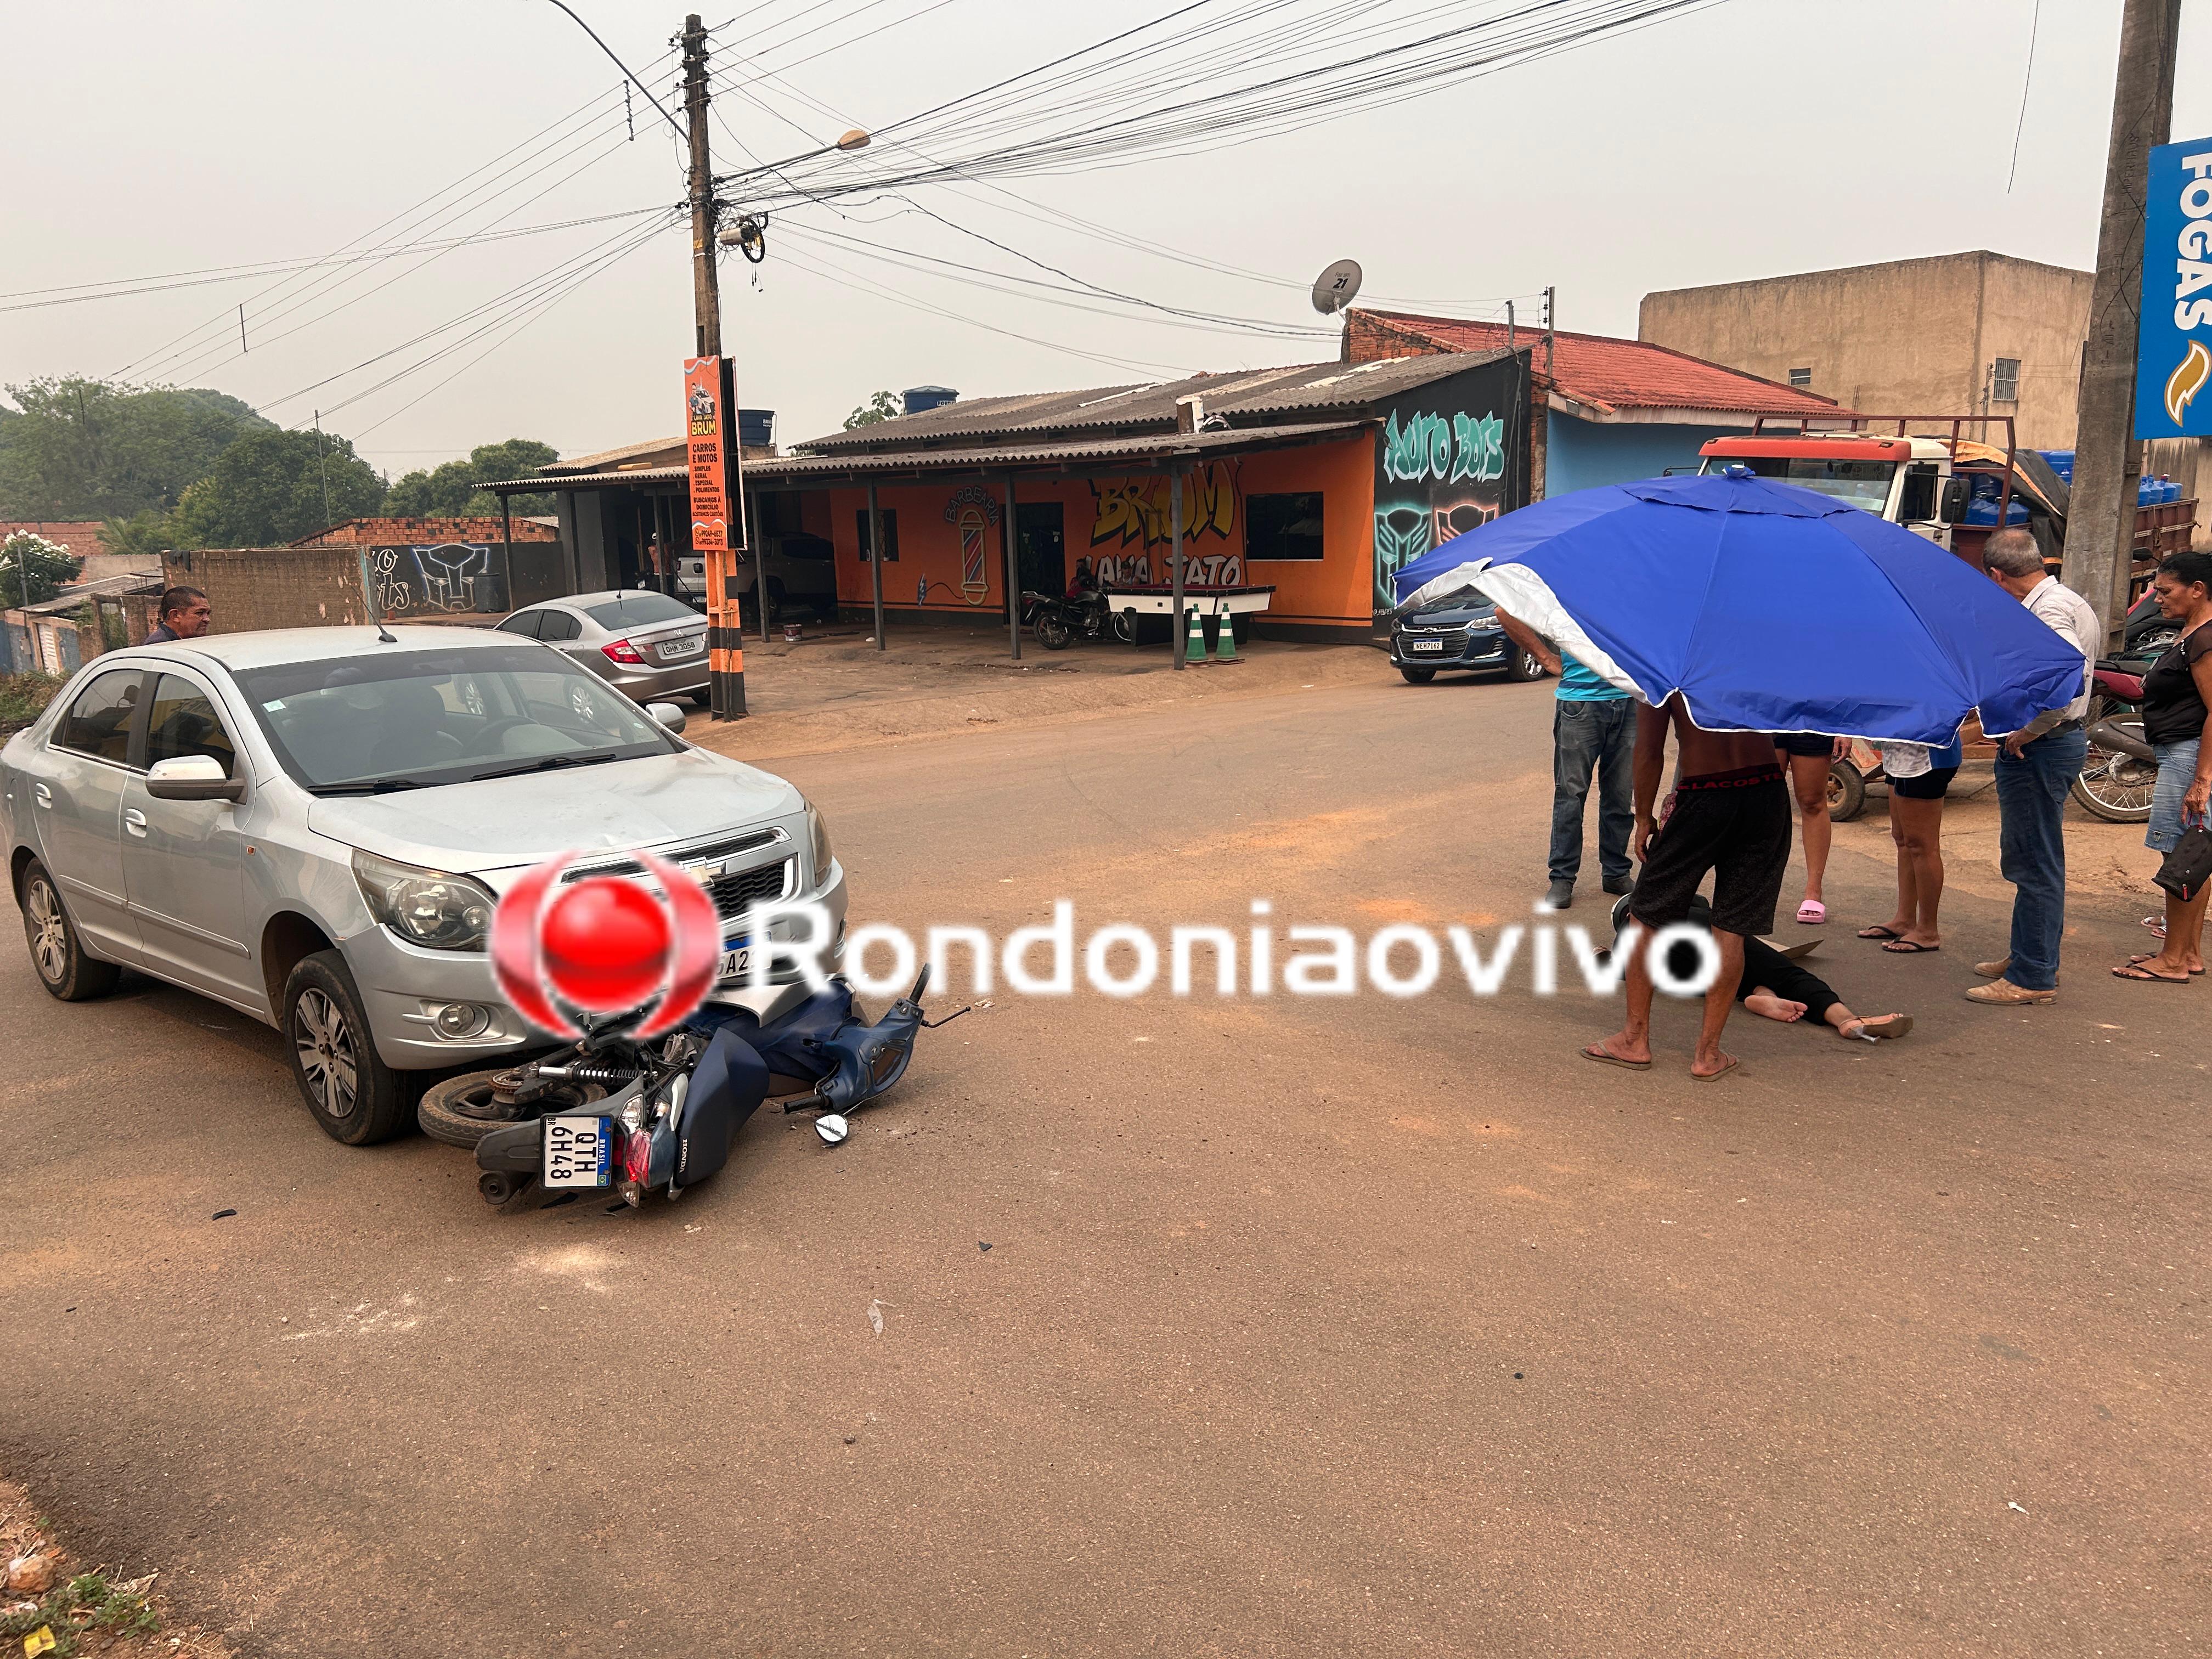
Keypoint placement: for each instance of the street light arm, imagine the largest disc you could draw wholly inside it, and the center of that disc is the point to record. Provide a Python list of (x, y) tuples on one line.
[(853, 140), (624, 67)]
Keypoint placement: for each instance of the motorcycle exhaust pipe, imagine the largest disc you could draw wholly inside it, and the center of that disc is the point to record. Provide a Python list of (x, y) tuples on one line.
[(2115, 739)]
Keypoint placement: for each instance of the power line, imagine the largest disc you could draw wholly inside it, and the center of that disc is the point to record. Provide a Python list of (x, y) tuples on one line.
[(619, 64)]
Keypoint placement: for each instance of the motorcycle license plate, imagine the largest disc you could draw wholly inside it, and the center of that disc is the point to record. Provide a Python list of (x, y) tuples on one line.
[(579, 1152), (737, 959), (1425, 645)]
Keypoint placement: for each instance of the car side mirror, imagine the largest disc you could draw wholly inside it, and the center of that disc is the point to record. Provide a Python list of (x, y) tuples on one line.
[(192, 777), (1956, 490), (667, 715)]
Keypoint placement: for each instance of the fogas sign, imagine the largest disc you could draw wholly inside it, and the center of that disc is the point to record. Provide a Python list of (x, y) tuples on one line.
[(2173, 362)]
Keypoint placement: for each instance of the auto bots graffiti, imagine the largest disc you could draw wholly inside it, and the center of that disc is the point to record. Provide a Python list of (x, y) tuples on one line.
[(1448, 459), (1133, 520)]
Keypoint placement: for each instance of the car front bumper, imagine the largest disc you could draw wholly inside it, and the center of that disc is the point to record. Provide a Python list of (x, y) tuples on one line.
[(404, 988), (1459, 648)]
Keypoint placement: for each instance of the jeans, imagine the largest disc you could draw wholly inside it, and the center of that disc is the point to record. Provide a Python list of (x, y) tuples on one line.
[(1593, 737), (2032, 850)]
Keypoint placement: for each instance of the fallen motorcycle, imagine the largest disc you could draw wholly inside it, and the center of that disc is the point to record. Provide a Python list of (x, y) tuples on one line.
[(642, 1117)]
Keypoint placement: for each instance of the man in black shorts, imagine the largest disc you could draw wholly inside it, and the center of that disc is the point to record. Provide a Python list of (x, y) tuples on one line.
[(1731, 818)]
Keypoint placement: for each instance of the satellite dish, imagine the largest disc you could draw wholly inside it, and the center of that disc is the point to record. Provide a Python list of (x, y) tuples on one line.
[(1335, 288)]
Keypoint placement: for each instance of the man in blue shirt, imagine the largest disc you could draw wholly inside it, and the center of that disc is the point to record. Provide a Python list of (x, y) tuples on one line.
[(1592, 731)]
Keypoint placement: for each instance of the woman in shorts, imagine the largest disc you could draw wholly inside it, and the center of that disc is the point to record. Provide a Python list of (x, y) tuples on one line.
[(1918, 777), (1805, 758), (2177, 695)]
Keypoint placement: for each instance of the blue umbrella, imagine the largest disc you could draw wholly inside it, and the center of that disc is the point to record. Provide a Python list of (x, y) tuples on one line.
[(1769, 607)]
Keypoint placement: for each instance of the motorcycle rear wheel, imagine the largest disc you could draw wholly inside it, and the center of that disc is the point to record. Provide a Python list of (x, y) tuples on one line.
[(460, 1110), (2116, 787), (1053, 633)]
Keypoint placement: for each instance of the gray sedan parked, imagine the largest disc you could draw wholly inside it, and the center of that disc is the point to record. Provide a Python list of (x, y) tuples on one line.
[(314, 825), (644, 644)]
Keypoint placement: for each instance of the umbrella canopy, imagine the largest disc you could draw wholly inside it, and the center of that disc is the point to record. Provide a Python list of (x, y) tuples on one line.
[(1769, 607)]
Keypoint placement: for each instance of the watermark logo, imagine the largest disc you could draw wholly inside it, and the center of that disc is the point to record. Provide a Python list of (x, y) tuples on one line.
[(605, 945)]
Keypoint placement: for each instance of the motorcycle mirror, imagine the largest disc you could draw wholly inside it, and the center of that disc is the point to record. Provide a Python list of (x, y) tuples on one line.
[(833, 1129)]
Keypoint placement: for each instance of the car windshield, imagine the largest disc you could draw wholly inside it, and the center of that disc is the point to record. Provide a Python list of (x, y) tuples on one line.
[(393, 719), (638, 610), (1863, 484)]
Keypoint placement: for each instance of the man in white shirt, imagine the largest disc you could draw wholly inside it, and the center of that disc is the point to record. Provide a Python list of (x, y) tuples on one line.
[(2035, 769)]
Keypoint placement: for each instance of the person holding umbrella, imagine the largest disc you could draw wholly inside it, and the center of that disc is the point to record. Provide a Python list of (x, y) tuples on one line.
[(1734, 607)]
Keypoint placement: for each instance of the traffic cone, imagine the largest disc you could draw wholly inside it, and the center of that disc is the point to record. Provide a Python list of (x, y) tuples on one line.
[(1194, 642), (1224, 638)]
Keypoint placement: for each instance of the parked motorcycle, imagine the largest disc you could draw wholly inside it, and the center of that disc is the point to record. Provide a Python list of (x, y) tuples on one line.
[(2121, 770), (1057, 622), (641, 1117)]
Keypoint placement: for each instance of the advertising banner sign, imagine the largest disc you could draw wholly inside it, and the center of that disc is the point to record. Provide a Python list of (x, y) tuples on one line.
[(2174, 361), (708, 440)]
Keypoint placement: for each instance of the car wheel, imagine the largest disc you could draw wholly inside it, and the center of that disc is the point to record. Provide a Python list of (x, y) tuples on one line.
[(1418, 676), (1847, 792), (1519, 665), (353, 1097), (63, 967), (462, 1111)]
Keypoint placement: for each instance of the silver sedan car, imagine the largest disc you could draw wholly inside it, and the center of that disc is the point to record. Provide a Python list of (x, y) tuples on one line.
[(644, 644), (314, 825)]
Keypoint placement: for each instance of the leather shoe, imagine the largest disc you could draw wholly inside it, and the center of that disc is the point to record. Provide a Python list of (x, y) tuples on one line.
[(2005, 994), (1993, 970), (1558, 896), (1619, 885)]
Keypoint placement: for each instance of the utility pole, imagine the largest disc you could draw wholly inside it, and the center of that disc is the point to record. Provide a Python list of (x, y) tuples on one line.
[(706, 285), (726, 636), (2101, 528)]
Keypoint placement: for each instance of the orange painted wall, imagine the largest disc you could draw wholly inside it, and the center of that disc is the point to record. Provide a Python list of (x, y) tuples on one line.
[(1126, 520)]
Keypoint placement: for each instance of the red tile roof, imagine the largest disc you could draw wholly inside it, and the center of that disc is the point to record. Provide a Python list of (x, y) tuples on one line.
[(1600, 370)]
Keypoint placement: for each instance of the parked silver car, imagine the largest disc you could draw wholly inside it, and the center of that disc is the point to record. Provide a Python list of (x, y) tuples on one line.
[(314, 826), (644, 644)]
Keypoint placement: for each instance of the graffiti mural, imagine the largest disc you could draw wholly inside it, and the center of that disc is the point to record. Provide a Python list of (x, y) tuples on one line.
[(1443, 469), (441, 578), (972, 510), (1132, 526)]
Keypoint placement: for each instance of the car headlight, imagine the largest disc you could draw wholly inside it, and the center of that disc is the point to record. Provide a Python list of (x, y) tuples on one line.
[(820, 832), (425, 906)]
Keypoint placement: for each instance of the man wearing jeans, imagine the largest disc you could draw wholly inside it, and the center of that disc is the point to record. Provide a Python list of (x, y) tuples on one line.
[(1593, 730), (2035, 769)]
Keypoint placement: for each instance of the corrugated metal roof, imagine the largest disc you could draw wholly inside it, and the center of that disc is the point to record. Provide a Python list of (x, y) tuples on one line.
[(606, 460), (1607, 373), (1244, 396), (556, 481), (797, 469)]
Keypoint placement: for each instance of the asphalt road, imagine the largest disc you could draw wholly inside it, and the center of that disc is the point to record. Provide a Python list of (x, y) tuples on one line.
[(1306, 1325)]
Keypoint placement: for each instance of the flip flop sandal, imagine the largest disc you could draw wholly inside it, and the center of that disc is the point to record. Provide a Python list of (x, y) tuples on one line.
[(1882, 1025), (2144, 976), (1878, 931), (1715, 1077), (1811, 912), (2152, 956), (1906, 947), (1605, 1059)]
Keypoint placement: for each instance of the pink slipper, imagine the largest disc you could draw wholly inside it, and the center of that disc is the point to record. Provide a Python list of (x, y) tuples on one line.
[(1811, 912)]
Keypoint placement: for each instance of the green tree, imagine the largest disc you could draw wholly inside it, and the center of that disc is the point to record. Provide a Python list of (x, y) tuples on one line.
[(78, 448), (881, 407), (268, 489), (145, 535), (47, 565), (450, 491)]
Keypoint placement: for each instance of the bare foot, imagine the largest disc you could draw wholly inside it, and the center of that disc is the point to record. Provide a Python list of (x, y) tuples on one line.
[(1915, 936), (1772, 1006), (1622, 1047)]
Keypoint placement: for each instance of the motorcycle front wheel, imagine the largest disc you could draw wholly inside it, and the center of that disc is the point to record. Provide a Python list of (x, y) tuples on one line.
[(462, 1111)]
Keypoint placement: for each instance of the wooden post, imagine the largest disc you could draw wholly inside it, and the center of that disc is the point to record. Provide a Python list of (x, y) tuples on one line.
[(876, 561), (506, 535), (1013, 573), (1174, 561)]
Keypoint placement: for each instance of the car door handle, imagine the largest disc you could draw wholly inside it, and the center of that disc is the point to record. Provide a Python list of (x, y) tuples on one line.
[(45, 795), (134, 821)]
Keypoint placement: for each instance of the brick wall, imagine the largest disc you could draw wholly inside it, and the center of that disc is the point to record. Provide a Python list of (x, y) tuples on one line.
[(407, 532), (253, 587)]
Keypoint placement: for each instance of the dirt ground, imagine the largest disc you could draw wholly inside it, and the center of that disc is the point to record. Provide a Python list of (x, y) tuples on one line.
[(72, 1624)]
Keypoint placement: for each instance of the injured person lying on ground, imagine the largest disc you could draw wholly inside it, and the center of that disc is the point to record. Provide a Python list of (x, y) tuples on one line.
[(1777, 985)]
